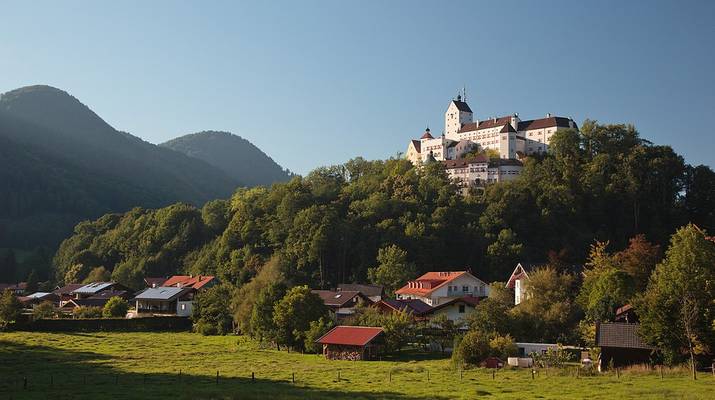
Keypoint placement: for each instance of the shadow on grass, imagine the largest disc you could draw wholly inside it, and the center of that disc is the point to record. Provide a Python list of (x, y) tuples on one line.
[(41, 372)]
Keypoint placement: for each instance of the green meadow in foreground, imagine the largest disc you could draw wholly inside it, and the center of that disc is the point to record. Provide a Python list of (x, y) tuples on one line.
[(184, 366)]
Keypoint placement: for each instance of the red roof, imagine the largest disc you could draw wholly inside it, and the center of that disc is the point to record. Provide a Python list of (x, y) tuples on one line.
[(429, 282), (350, 335), (427, 135), (196, 282)]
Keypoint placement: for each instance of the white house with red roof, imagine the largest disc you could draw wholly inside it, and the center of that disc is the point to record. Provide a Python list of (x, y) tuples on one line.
[(435, 288)]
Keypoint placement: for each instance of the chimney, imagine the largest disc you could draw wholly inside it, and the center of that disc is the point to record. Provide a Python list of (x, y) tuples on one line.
[(548, 115)]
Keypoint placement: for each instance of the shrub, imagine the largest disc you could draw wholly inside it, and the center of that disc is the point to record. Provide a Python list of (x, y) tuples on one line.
[(87, 312), (43, 310), (116, 307), (552, 358), (10, 308), (502, 346), (471, 349), (316, 330), (211, 314)]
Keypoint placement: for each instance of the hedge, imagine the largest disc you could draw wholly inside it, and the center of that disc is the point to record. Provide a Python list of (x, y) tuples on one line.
[(152, 324)]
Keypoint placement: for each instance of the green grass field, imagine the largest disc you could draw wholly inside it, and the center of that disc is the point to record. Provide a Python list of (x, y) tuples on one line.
[(147, 365)]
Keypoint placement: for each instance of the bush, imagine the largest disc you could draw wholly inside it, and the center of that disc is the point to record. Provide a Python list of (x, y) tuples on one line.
[(552, 358), (116, 307), (10, 308), (316, 330), (87, 312), (43, 310), (212, 315), (471, 349), (502, 346)]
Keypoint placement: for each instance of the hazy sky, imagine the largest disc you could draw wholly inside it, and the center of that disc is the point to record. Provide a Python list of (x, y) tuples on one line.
[(317, 83)]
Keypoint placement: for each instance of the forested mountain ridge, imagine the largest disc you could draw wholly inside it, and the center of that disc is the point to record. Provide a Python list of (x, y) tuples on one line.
[(600, 183), (236, 156), (61, 163)]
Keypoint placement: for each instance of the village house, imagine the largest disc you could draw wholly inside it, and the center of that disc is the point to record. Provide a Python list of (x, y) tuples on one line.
[(95, 288), (518, 280), (65, 292), (352, 343), (193, 281), (414, 307), (16, 288), (455, 310), (165, 301), (374, 292), (435, 288), (343, 303), (621, 345), (154, 282), (37, 298)]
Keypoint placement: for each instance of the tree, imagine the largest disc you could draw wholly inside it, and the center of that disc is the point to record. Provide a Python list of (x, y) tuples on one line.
[(98, 274), (261, 323), (393, 269), (316, 331), (471, 349), (446, 330), (638, 260), (31, 286), (549, 313), (676, 311), (211, 314), (294, 312), (116, 307), (44, 310), (603, 292), (8, 267), (10, 308)]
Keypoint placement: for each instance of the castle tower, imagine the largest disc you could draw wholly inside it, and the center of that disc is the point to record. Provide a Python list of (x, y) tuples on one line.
[(458, 113)]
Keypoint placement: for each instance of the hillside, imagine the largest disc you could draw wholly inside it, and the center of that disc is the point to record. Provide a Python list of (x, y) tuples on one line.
[(61, 163), (234, 155)]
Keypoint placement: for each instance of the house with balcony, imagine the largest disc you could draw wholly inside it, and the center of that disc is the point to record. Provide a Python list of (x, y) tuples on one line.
[(435, 288)]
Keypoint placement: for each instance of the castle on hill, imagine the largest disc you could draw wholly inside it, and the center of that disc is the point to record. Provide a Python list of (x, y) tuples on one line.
[(509, 136)]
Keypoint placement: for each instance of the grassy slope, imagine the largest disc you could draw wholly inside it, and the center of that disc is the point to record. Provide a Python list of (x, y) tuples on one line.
[(115, 365)]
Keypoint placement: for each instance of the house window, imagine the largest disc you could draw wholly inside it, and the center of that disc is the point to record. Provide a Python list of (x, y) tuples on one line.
[(183, 306), (461, 308), (465, 288)]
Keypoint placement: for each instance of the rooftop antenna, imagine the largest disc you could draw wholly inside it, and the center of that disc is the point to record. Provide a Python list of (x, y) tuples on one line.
[(464, 93)]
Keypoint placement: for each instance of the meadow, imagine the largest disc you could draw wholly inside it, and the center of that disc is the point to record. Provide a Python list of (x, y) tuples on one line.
[(185, 366)]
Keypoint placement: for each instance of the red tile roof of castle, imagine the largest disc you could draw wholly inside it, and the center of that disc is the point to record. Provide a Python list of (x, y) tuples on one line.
[(429, 282), (350, 335), (196, 282)]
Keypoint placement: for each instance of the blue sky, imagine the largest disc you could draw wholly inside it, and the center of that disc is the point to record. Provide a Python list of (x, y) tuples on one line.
[(316, 82)]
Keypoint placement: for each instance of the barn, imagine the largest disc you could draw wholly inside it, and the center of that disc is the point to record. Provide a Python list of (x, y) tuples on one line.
[(352, 343)]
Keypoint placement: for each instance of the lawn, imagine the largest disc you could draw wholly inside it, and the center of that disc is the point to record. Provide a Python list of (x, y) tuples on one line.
[(184, 366)]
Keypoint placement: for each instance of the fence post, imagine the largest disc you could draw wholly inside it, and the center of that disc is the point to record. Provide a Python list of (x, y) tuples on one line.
[(661, 372), (390, 375), (179, 375), (338, 375), (713, 368), (461, 373), (253, 376), (533, 372), (427, 375), (217, 377), (578, 372), (293, 377), (493, 374), (618, 373)]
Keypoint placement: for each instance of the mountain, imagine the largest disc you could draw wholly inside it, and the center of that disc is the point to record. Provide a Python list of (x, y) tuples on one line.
[(61, 163), (234, 155)]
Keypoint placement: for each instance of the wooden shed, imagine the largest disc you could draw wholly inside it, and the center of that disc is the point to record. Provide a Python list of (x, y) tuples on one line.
[(620, 345), (352, 343)]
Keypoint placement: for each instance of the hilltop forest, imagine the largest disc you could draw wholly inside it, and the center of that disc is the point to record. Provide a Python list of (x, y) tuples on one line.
[(602, 183)]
